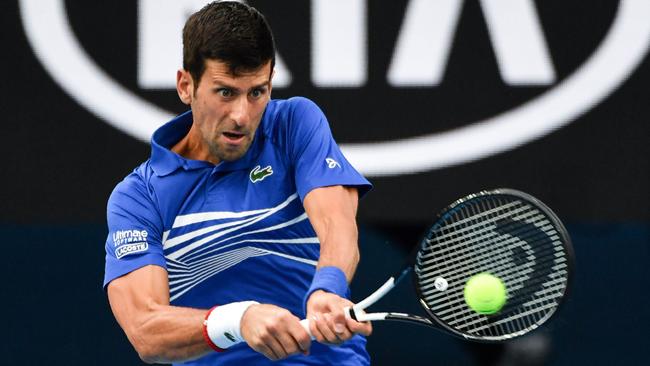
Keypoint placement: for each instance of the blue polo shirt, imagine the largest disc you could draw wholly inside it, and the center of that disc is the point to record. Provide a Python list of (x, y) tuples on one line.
[(237, 230)]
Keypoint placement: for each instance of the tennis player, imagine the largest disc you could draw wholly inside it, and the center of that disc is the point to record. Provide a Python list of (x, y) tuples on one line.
[(242, 221)]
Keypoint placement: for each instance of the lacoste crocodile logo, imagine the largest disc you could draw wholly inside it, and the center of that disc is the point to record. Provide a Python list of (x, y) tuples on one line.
[(258, 174)]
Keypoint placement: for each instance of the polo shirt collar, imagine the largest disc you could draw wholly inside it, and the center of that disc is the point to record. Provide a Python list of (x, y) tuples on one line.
[(164, 161)]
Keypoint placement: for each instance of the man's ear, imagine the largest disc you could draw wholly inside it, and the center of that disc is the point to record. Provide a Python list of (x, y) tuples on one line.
[(184, 86), (271, 81)]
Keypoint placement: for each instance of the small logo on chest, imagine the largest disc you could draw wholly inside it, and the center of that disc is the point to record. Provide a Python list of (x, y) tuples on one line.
[(258, 173)]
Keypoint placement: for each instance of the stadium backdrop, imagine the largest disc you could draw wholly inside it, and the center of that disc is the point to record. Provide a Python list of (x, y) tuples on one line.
[(383, 72)]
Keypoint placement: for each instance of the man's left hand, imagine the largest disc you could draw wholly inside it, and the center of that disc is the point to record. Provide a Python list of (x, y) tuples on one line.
[(327, 322)]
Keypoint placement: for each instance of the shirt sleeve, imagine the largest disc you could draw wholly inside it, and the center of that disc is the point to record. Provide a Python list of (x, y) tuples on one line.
[(134, 230), (317, 159)]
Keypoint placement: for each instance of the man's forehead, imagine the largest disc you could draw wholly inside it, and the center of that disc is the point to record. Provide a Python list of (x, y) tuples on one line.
[(219, 71)]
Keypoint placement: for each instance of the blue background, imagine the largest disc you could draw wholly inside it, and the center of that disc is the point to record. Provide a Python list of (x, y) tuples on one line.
[(60, 163), (57, 313)]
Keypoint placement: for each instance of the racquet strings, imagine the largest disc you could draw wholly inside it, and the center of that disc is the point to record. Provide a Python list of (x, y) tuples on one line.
[(504, 235)]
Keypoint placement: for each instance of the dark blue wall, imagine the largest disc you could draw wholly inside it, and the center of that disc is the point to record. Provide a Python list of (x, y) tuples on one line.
[(61, 161), (55, 311)]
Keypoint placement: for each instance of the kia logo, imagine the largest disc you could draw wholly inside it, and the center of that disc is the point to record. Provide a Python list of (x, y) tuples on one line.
[(520, 48)]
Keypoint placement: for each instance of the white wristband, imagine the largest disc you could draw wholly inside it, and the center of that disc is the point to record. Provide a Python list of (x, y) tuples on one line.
[(223, 326)]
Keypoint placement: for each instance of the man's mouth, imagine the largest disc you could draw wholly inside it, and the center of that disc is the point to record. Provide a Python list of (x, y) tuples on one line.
[(234, 137)]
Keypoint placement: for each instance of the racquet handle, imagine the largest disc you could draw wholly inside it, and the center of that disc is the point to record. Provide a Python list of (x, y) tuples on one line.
[(305, 322), (357, 311)]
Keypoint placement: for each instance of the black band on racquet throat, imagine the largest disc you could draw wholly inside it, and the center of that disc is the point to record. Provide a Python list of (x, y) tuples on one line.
[(352, 314)]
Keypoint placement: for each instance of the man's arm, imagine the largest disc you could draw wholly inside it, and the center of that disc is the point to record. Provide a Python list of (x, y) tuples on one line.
[(332, 212), (158, 332), (163, 333)]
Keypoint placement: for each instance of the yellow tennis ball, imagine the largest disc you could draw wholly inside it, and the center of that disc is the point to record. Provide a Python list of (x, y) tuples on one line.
[(485, 293)]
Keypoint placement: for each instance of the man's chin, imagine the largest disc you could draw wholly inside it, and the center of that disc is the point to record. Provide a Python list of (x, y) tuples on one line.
[(231, 155), (226, 152), (231, 158)]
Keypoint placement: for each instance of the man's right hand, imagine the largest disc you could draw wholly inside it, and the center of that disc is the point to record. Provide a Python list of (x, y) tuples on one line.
[(274, 332)]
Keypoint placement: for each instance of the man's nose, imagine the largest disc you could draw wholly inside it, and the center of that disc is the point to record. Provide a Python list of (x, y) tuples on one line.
[(240, 112)]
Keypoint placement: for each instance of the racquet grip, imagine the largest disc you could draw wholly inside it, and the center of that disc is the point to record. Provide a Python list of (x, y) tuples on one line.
[(349, 313), (305, 325)]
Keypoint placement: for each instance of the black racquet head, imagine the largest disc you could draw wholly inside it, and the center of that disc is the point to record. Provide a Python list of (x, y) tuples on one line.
[(508, 234)]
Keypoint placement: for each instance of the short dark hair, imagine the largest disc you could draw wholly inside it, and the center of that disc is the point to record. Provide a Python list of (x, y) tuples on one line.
[(227, 31)]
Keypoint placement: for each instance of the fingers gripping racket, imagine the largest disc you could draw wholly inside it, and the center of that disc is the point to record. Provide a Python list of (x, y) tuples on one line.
[(503, 232)]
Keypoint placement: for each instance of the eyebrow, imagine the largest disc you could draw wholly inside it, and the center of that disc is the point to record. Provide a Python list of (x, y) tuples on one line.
[(218, 83)]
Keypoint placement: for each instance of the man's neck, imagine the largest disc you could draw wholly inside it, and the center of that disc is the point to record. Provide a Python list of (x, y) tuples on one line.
[(192, 147)]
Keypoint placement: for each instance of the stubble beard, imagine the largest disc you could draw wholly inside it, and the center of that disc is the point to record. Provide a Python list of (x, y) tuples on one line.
[(223, 152)]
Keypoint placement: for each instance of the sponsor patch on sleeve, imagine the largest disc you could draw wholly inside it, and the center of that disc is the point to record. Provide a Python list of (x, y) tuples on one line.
[(130, 242)]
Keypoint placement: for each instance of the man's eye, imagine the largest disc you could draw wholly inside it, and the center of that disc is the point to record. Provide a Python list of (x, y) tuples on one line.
[(256, 93), (225, 93)]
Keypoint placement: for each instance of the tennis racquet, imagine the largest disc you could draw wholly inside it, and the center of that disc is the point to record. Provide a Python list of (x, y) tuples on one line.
[(504, 232)]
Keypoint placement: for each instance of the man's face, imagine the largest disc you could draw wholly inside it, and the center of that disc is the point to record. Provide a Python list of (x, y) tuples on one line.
[(228, 109)]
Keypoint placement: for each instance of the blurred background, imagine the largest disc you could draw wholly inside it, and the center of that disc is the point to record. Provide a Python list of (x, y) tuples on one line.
[(432, 100)]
